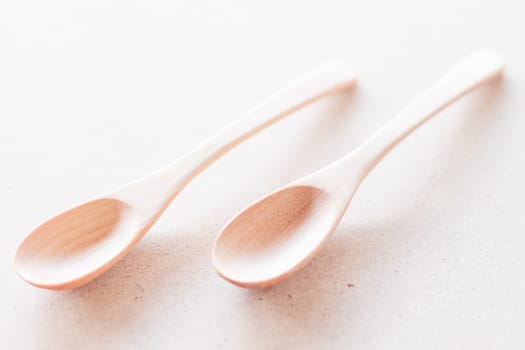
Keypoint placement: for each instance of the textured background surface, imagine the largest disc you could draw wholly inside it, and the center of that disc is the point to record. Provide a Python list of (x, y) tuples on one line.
[(430, 253)]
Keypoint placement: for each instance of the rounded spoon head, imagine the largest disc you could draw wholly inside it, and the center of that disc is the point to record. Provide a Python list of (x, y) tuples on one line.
[(77, 245), (275, 236)]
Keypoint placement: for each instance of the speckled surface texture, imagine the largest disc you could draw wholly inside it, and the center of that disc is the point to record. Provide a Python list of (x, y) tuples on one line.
[(430, 253)]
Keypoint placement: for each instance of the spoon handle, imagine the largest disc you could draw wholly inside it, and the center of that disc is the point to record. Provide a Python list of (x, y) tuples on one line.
[(330, 78), (165, 183), (474, 70)]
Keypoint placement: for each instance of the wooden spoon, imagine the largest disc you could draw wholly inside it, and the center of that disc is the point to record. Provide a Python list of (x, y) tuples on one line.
[(279, 234), (74, 247)]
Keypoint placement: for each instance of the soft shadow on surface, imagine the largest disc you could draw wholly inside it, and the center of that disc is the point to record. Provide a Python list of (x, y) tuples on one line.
[(150, 274), (304, 301), (310, 298)]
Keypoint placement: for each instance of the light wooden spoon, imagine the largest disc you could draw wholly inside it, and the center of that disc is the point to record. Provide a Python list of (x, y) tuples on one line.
[(279, 234), (74, 247)]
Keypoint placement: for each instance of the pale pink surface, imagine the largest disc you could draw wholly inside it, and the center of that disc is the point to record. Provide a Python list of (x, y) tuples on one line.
[(92, 97)]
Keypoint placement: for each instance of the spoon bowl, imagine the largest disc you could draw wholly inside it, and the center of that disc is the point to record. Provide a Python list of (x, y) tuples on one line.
[(67, 249), (264, 242)]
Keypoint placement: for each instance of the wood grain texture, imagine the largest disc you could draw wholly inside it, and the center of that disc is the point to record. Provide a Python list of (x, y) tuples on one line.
[(273, 234)]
